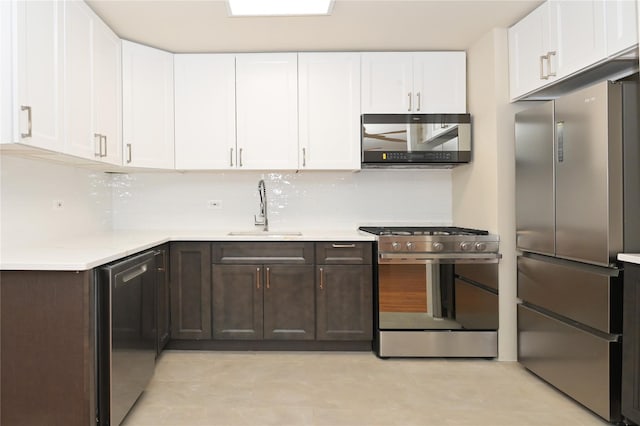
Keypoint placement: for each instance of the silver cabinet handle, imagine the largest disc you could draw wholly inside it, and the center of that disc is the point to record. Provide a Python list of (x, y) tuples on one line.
[(560, 140), (268, 277), (343, 245), (231, 157), (98, 152), (304, 157), (542, 75), (549, 55), (321, 278), (105, 145), (409, 95), (128, 153), (134, 274), (258, 278), (419, 101), (240, 157), (29, 122)]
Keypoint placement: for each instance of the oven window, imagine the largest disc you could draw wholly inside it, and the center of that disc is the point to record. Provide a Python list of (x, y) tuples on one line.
[(411, 298)]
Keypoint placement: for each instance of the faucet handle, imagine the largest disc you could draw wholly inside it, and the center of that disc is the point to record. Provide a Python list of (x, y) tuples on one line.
[(258, 219)]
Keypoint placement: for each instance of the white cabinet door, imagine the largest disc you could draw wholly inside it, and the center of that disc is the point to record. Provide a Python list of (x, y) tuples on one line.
[(267, 110), (440, 82), (387, 82), (622, 25), (107, 92), (92, 83), (78, 81), (147, 112), (329, 110), (528, 46), (8, 109), (577, 35), (205, 111), (40, 58)]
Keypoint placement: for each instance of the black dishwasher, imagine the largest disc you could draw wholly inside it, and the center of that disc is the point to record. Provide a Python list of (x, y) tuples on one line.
[(125, 334)]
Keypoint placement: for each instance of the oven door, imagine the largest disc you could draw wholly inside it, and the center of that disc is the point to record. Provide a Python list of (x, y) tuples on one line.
[(436, 307)]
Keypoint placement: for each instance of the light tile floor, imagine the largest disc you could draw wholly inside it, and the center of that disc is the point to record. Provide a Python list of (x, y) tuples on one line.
[(194, 388)]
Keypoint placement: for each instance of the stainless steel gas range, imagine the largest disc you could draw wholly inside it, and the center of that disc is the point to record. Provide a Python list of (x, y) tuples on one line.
[(436, 292)]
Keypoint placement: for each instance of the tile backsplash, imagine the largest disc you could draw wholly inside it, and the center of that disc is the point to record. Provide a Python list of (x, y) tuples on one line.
[(303, 200), (94, 201), (30, 187)]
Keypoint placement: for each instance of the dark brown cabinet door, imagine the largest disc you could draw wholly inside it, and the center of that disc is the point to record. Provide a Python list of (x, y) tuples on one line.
[(237, 302), (289, 307), (163, 300), (631, 344), (190, 290), (344, 302)]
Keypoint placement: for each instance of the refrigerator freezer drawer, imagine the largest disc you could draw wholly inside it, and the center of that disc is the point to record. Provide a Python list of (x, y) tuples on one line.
[(580, 364), (583, 293), (483, 273), (476, 308)]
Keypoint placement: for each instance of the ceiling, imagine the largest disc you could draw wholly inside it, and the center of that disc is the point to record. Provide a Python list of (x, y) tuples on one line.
[(204, 25)]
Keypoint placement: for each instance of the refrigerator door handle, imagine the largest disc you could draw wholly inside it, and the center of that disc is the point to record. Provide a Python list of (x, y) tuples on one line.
[(560, 140)]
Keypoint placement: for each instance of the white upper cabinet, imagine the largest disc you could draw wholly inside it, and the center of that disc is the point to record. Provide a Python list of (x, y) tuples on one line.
[(39, 26), (107, 92), (147, 97), (577, 35), (528, 47), (440, 81), (267, 111), (387, 82), (329, 110), (205, 106), (622, 25), (8, 110), (419, 82), (92, 85), (561, 38)]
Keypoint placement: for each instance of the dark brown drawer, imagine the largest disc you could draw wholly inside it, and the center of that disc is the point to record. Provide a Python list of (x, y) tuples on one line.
[(343, 253), (262, 252)]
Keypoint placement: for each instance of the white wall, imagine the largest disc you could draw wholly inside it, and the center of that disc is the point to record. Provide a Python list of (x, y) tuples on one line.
[(483, 191), (28, 188), (296, 201)]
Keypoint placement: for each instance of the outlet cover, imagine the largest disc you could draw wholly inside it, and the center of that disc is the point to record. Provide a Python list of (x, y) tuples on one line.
[(214, 204)]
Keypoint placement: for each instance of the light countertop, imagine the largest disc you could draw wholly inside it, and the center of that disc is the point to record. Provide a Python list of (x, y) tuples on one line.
[(630, 257), (86, 252)]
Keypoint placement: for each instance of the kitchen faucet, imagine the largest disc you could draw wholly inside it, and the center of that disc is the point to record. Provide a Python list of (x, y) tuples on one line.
[(262, 218)]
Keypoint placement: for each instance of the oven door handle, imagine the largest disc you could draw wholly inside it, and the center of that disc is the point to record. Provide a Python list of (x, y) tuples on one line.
[(429, 258)]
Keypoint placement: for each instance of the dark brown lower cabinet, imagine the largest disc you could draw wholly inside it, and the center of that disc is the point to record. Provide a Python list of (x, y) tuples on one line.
[(631, 344), (237, 302), (190, 290), (255, 302), (46, 339), (289, 308), (163, 298), (344, 307)]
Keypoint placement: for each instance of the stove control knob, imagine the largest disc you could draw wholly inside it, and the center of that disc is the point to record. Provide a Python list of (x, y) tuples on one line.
[(437, 246), (410, 246), (395, 246), (466, 246), (481, 246)]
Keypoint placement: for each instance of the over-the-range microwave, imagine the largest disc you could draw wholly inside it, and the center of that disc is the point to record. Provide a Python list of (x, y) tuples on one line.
[(415, 140)]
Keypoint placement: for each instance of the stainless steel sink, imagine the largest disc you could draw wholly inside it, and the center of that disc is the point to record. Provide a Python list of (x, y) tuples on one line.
[(268, 234)]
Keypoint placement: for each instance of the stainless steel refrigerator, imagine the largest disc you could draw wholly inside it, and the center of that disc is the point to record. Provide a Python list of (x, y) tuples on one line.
[(577, 207)]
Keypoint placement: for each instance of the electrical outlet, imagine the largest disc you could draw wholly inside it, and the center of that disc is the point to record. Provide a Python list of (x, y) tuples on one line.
[(214, 204), (57, 204)]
